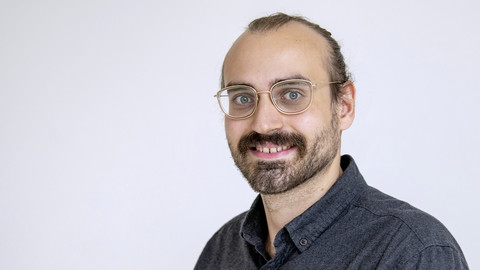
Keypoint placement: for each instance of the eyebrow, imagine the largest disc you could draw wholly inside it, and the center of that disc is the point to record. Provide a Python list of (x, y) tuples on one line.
[(291, 77)]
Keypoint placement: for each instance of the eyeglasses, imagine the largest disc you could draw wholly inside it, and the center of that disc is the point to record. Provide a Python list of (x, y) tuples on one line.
[(289, 97)]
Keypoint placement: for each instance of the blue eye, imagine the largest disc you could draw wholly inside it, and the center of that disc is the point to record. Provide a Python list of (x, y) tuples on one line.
[(242, 99), (292, 95)]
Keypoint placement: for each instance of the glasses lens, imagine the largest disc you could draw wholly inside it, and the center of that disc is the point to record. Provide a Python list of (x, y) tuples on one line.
[(292, 96), (238, 102)]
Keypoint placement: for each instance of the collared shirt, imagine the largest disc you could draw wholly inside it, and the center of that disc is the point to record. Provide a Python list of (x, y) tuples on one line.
[(353, 226)]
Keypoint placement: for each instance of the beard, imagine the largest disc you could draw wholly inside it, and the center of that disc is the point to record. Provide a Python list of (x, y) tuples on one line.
[(278, 176)]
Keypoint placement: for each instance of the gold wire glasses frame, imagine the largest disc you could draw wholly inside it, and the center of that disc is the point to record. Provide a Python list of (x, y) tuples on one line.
[(289, 97)]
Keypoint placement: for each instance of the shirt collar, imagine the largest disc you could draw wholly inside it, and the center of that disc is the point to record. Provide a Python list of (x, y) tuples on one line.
[(308, 226)]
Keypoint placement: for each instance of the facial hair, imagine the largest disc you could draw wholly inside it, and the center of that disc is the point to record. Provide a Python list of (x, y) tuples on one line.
[(278, 176)]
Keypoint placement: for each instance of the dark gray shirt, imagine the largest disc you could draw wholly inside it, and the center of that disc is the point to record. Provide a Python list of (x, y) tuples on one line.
[(353, 226)]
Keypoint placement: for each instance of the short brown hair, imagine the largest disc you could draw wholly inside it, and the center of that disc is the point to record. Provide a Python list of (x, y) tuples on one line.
[(335, 66)]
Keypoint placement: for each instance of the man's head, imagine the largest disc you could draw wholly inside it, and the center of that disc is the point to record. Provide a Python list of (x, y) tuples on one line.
[(276, 147), (334, 62)]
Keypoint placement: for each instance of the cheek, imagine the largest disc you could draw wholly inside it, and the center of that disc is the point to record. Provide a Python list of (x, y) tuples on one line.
[(306, 125), (314, 119), (311, 123), (234, 129)]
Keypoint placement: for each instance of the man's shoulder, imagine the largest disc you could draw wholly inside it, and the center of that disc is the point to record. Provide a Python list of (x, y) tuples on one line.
[(228, 236), (232, 227), (226, 248), (418, 237), (425, 228)]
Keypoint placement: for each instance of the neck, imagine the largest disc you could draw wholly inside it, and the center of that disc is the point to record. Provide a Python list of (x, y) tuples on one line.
[(282, 208)]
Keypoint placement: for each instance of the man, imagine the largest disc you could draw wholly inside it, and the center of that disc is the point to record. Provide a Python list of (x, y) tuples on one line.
[(287, 98)]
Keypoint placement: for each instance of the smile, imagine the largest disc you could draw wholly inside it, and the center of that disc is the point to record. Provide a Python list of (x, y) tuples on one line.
[(271, 149)]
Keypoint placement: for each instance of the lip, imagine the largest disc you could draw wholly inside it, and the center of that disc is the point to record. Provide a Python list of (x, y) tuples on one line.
[(276, 155)]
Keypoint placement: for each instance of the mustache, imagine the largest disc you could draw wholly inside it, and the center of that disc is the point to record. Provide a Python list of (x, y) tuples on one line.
[(279, 138)]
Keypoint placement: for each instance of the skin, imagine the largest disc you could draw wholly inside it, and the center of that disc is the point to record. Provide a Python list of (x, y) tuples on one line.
[(261, 59)]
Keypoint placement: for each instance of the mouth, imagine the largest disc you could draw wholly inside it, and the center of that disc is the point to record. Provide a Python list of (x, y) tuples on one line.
[(270, 149), (272, 146)]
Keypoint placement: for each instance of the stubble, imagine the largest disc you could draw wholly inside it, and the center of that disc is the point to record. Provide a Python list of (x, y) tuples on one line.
[(278, 176)]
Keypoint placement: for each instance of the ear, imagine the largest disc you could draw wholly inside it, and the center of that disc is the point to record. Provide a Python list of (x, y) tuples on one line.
[(346, 105)]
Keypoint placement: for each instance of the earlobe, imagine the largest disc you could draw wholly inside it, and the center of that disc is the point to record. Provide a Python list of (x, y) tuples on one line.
[(347, 103)]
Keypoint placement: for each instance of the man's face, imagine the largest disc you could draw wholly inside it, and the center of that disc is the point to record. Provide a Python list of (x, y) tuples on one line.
[(274, 151)]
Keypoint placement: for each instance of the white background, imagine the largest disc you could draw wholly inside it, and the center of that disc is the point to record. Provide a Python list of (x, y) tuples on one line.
[(112, 149)]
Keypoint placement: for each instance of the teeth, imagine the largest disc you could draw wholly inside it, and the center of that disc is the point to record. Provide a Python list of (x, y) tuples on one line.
[(273, 149)]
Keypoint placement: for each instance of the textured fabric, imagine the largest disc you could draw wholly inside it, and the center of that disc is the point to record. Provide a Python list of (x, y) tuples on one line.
[(353, 226)]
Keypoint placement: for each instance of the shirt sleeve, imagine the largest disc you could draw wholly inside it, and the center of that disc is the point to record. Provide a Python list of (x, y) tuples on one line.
[(438, 258)]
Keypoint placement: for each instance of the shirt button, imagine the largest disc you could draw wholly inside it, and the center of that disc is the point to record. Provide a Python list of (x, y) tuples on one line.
[(303, 242)]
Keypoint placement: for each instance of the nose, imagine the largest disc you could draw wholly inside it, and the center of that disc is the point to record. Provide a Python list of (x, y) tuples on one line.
[(266, 118)]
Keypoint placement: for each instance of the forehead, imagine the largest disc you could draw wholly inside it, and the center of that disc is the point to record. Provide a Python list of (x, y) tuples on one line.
[(261, 58)]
